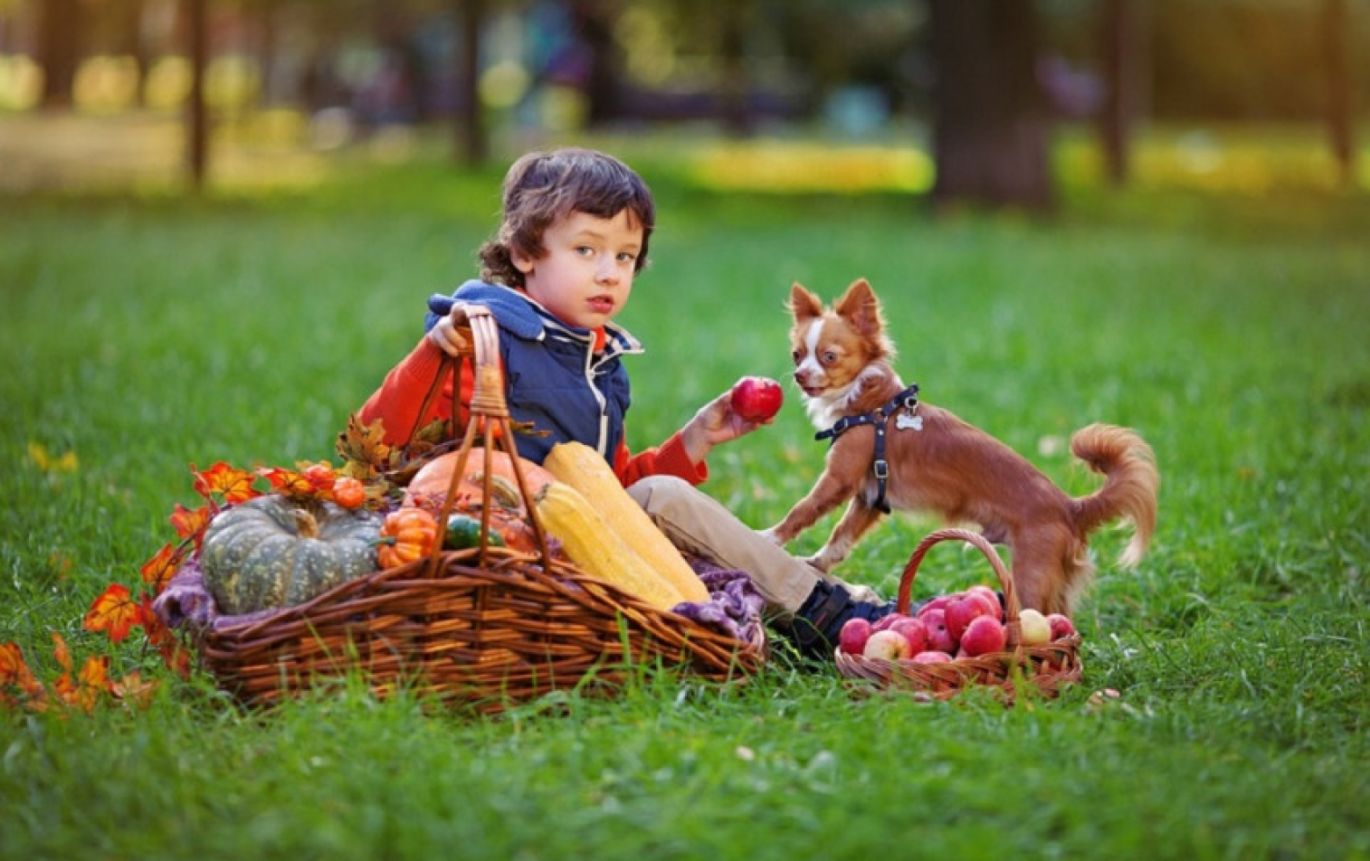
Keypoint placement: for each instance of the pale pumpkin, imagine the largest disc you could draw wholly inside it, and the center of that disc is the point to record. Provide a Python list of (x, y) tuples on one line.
[(274, 552)]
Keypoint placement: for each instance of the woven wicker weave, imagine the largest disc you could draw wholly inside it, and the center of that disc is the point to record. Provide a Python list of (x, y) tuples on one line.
[(1045, 667), (485, 626)]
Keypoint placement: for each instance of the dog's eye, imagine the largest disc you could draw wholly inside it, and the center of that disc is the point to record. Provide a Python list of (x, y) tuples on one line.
[(829, 357), (795, 356)]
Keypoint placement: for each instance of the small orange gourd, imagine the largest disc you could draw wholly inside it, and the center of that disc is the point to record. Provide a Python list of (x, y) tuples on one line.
[(407, 534)]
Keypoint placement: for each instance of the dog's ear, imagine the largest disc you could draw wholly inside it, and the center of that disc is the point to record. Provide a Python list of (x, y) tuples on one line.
[(859, 307), (803, 304)]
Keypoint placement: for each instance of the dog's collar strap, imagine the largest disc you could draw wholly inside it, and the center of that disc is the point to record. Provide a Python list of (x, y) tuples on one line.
[(905, 400)]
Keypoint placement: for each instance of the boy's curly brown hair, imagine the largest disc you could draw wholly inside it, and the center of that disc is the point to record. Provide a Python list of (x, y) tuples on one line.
[(543, 186)]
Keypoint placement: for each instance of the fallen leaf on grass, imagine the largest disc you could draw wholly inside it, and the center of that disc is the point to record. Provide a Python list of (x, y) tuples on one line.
[(115, 612)]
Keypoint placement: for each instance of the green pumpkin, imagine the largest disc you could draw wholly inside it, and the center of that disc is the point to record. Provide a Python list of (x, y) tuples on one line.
[(274, 552)]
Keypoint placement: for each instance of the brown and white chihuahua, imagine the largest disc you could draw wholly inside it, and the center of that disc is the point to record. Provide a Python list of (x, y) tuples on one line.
[(937, 462)]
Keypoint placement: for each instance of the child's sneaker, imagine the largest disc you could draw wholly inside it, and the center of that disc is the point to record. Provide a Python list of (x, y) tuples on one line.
[(816, 625)]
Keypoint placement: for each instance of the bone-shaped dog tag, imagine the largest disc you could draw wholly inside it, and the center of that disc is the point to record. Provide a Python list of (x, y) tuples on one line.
[(904, 421)]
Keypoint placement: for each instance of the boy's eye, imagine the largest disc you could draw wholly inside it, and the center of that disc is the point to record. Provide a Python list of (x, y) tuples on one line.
[(584, 250), (625, 257)]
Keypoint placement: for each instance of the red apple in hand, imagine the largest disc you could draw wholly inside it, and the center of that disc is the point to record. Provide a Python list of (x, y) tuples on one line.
[(757, 399), (853, 636), (983, 635)]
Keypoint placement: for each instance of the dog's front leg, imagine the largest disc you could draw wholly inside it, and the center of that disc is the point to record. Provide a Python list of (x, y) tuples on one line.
[(826, 495), (859, 517)]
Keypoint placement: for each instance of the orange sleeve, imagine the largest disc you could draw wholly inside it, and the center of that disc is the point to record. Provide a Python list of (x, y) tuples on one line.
[(396, 403), (669, 458)]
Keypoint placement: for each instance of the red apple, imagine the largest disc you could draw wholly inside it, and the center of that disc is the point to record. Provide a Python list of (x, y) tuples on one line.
[(1061, 626), (757, 399), (983, 635), (991, 600), (1035, 628), (887, 621), (914, 631), (960, 612), (853, 636), (887, 645), (938, 603), (931, 656), (939, 637)]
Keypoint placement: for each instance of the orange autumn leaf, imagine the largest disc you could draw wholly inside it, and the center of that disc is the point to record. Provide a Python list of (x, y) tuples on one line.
[(187, 522), (158, 571), (133, 689), (234, 485), (114, 611), (15, 672), (287, 481), (90, 684), (158, 634), (60, 651)]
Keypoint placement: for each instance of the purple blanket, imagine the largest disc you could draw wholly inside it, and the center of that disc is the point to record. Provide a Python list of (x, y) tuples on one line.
[(734, 607)]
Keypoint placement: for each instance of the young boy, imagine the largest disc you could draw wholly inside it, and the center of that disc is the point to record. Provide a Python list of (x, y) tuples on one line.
[(574, 234)]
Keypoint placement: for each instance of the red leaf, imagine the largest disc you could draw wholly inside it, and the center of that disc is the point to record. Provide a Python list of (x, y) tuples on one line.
[(287, 481), (92, 681), (158, 634), (114, 611), (132, 688), (234, 485), (15, 671), (187, 522), (158, 571)]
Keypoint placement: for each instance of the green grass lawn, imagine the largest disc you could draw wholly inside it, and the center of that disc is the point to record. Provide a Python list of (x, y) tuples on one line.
[(148, 334)]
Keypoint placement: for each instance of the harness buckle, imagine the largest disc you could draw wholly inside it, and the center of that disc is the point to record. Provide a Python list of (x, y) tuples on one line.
[(882, 469)]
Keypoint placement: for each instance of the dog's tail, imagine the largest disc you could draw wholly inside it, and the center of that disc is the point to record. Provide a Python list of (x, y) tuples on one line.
[(1130, 488)]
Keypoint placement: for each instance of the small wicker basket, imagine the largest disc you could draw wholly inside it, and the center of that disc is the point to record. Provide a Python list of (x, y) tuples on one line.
[(1045, 667), (486, 626)]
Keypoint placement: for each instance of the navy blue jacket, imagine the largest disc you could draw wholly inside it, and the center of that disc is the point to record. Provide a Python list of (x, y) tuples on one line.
[(553, 376)]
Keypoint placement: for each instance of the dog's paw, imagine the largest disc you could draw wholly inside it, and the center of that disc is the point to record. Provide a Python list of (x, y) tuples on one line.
[(821, 561)]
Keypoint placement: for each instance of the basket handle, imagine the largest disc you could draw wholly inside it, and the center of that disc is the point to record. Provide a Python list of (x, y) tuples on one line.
[(979, 542), (489, 414)]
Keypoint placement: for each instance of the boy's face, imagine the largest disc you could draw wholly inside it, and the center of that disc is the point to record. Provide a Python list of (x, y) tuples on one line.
[(587, 273)]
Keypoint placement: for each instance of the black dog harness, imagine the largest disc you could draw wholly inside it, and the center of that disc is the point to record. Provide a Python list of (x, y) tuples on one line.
[(906, 400)]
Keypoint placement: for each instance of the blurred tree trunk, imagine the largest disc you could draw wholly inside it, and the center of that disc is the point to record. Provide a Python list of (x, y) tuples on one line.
[(197, 120), (59, 29), (1334, 32), (473, 142), (990, 135), (737, 119), (1120, 48), (594, 27)]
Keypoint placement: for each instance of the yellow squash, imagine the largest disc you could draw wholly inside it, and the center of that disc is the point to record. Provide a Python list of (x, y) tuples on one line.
[(582, 467), (598, 549)]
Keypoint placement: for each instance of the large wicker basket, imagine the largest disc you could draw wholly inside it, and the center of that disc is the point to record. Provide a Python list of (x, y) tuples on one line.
[(1045, 667), (484, 627)]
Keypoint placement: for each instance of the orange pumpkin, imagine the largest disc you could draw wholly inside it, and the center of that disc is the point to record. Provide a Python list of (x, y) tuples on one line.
[(406, 535), (429, 485)]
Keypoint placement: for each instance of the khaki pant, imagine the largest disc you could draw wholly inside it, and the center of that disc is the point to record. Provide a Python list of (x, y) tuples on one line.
[(696, 523)]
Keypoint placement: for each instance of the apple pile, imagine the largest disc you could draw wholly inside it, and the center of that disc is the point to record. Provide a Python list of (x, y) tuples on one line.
[(949, 627)]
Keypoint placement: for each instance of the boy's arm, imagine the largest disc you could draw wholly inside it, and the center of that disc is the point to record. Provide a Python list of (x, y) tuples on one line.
[(669, 458), (396, 403)]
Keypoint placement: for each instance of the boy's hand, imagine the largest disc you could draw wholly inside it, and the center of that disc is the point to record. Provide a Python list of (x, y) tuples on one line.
[(452, 333), (716, 422)]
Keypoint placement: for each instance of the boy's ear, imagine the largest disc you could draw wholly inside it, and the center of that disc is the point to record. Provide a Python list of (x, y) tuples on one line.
[(803, 304), (859, 307), (522, 262)]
